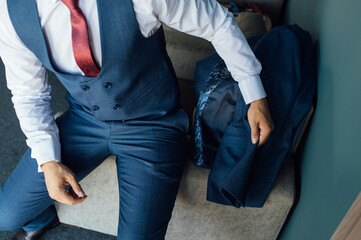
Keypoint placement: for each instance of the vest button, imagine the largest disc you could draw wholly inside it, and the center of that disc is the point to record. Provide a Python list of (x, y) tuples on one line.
[(107, 85), (85, 87), (95, 108), (116, 107)]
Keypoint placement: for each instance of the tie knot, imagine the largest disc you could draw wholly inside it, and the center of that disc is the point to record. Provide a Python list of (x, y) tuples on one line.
[(71, 4)]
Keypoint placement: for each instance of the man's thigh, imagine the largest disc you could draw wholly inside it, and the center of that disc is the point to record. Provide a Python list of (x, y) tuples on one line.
[(150, 161), (83, 141), (24, 195)]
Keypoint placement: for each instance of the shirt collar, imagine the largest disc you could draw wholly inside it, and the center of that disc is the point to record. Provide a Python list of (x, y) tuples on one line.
[(54, 1)]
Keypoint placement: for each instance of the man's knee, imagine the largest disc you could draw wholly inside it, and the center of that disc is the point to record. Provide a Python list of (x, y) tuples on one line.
[(9, 220), (10, 216)]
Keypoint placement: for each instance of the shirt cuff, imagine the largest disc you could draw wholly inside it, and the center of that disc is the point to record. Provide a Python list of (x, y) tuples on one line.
[(46, 151), (251, 88)]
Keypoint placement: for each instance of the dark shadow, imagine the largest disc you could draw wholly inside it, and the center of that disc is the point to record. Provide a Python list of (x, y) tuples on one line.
[(298, 156)]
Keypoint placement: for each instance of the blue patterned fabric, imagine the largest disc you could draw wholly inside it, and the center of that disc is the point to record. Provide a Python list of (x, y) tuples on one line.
[(243, 175), (218, 75)]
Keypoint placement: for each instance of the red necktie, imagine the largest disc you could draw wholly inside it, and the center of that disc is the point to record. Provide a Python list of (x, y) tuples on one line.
[(81, 48)]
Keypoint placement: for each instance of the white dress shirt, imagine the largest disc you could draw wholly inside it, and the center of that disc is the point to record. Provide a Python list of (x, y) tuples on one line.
[(27, 77)]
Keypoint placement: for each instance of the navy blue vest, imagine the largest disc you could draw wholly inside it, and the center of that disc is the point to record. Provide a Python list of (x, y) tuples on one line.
[(136, 78)]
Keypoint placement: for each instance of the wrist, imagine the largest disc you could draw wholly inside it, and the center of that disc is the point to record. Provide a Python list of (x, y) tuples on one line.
[(259, 101), (49, 164)]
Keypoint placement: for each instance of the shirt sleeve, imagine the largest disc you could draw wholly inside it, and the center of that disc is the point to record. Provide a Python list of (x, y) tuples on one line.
[(27, 80), (211, 21)]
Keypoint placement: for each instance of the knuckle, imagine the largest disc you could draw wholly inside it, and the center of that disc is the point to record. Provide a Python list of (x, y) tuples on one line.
[(267, 127), (71, 176), (253, 125)]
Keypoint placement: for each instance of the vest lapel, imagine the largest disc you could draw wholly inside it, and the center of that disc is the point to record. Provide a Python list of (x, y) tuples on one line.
[(25, 19), (113, 23)]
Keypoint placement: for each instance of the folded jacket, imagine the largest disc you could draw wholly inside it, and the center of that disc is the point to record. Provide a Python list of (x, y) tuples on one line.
[(241, 174)]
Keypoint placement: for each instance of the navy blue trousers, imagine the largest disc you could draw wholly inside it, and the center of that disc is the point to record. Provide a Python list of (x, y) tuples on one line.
[(150, 157)]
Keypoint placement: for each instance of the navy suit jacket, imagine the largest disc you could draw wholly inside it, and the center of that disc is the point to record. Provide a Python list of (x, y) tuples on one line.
[(241, 174)]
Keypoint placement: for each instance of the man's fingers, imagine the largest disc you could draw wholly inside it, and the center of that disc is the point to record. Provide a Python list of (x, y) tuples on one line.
[(57, 176), (76, 187), (72, 193), (259, 113), (66, 198), (265, 131), (254, 132)]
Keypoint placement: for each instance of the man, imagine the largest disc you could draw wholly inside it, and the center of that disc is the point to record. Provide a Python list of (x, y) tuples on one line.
[(123, 97)]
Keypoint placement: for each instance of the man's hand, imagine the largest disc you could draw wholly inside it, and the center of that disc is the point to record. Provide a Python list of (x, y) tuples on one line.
[(57, 177), (260, 120)]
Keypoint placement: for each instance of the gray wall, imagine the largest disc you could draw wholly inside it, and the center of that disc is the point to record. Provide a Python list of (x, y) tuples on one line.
[(331, 163)]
